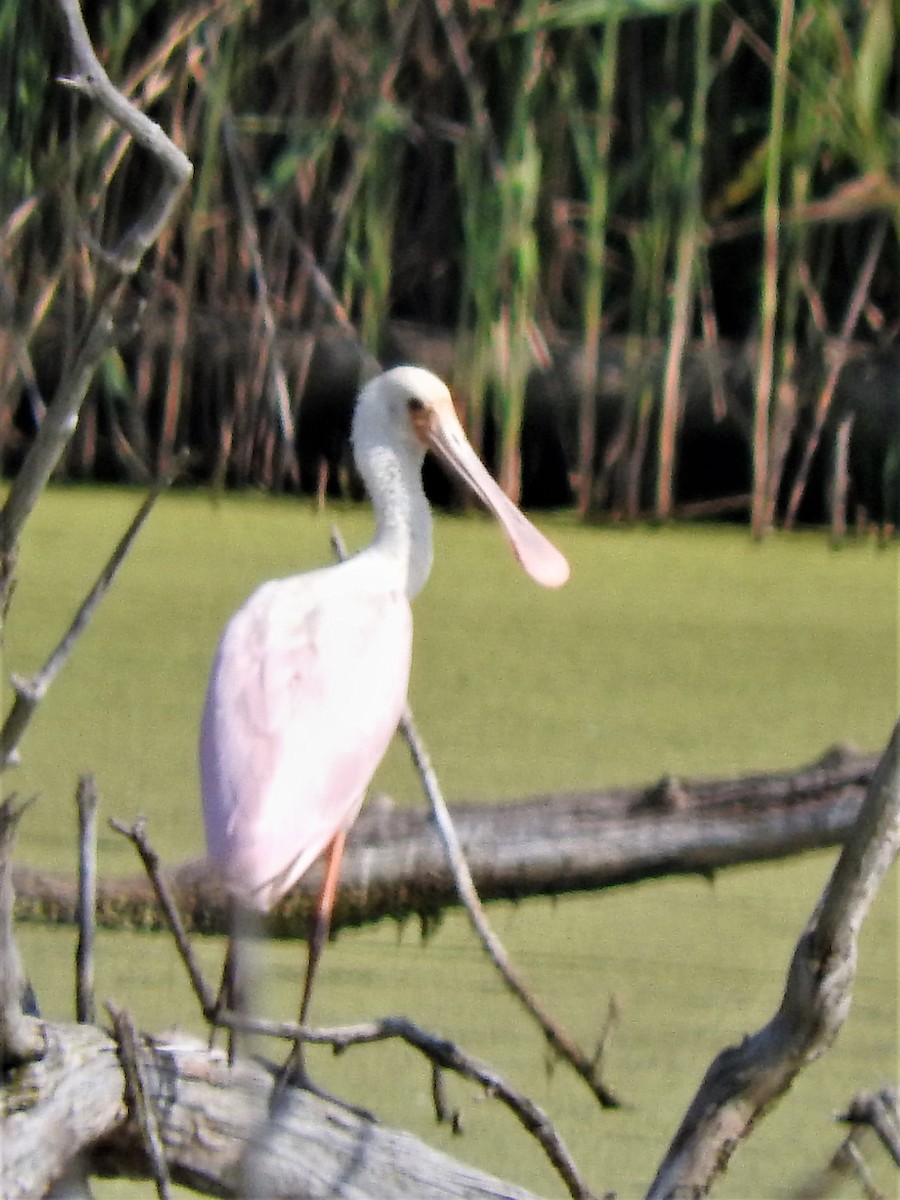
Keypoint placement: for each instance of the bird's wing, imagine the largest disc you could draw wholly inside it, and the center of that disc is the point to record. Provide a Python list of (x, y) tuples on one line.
[(306, 690)]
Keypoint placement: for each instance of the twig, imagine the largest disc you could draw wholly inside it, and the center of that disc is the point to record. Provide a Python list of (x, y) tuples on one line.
[(92, 81), (138, 1098), (86, 800), (445, 1055), (605, 1037), (30, 692), (137, 836), (558, 1038), (881, 1111), (21, 1040), (744, 1081), (877, 1111), (444, 1114)]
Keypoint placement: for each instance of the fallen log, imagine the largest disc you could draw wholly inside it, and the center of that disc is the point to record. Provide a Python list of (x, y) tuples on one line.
[(215, 1128), (544, 845)]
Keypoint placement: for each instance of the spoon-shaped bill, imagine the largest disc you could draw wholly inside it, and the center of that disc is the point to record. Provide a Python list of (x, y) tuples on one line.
[(538, 556)]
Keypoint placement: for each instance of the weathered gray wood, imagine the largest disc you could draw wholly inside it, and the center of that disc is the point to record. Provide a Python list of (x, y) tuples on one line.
[(744, 1081), (546, 845), (20, 1039), (52, 1109), (215, 1125)]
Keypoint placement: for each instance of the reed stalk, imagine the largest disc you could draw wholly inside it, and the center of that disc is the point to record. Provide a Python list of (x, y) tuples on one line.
[(596, 171), (768, 301), (687, 245), (500, 180)]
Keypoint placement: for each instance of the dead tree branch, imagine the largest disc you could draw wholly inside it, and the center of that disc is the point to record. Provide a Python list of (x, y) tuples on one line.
[(137, 836), (443, 1055), (394, 865), (140, 1106), (21, 1040), (87, 802), (745, 1080), (869, 1113), (215, 1129), (879, 1111), (558, 1038)]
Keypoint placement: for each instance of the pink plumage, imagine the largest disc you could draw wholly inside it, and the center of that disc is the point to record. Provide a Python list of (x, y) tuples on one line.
[(310, 676)]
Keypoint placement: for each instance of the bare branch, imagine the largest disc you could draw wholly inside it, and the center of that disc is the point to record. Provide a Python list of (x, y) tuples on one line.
[(869, 1111), (140, 1104), (744, 1081), (136, 834), (394, 865), (86, 800), (444, 1055), (558, 1038), (881, 1111), (21, 1040), (91, 79)]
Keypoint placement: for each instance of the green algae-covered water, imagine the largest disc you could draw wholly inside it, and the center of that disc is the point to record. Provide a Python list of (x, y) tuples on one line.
[(686, 650)]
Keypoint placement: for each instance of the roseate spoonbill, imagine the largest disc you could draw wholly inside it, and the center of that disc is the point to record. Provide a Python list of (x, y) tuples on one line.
[(310, 676)]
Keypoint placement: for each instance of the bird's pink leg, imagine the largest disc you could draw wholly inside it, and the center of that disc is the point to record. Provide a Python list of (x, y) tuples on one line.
[(321, 919), (294, 1071)]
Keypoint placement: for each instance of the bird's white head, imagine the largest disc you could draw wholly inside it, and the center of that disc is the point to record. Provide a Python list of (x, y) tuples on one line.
[(408, 410), (392, 408)]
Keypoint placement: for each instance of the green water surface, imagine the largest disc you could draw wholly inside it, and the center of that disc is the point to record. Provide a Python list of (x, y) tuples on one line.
[(688, 651)]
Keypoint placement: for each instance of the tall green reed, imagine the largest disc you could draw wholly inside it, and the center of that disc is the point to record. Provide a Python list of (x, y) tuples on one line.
[(592, 139), (768, 299), (499, 176), (687, 246), (573, 195)]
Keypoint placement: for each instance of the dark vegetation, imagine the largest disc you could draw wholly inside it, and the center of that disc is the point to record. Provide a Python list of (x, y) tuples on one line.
[(654, 246)]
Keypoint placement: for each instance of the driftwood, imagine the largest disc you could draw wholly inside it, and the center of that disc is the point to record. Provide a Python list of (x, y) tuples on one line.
[(547, 845), (215, 1127)]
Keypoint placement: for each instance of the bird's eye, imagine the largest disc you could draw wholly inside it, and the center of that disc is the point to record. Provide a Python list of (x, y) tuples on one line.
[(414, 404)]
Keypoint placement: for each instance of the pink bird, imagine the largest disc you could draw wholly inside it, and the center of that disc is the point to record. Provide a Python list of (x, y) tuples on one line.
[(310, 677)]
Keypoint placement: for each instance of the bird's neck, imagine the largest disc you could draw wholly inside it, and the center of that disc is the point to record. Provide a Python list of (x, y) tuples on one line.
[(402, 517)]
